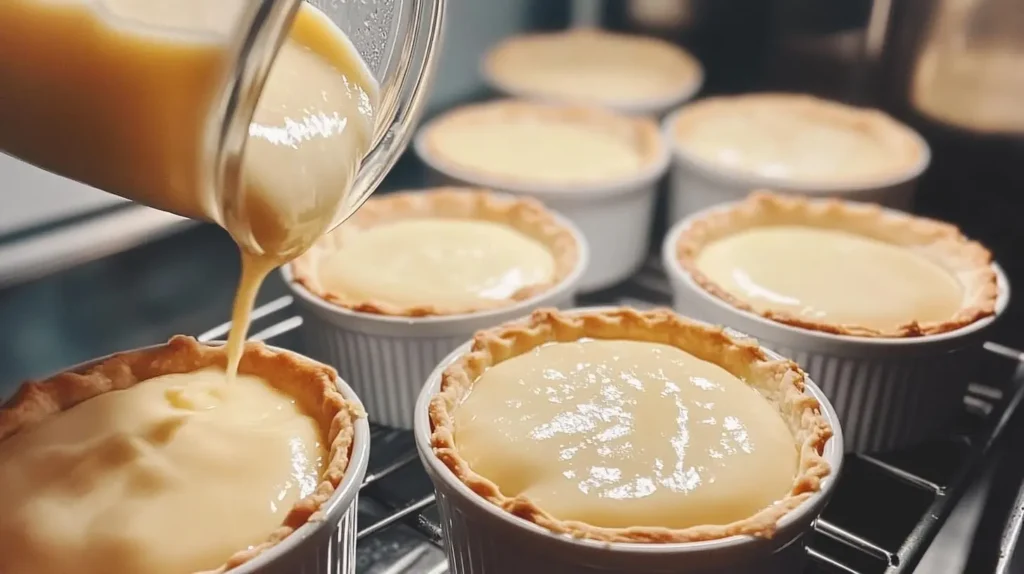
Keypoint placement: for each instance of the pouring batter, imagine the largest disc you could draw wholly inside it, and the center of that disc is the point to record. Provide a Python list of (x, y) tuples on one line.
[(131, 109)]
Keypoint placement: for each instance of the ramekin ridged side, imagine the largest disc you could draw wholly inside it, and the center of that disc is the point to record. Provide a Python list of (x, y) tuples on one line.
[(695, 184), (481, 538), (614, 217), (890, 393), (325, 546), (388, 358)]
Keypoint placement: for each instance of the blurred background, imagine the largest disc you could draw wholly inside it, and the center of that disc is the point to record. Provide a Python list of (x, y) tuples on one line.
[(83, 273)]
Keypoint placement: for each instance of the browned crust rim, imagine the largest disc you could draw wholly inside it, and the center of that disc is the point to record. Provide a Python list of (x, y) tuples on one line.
[(780, 382), (312, 384), (525, 215), (899, 138), (640, 132), (940, 242), (678, 63)]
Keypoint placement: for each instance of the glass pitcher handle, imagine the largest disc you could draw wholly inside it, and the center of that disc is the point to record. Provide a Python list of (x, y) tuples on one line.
[(400, 109)]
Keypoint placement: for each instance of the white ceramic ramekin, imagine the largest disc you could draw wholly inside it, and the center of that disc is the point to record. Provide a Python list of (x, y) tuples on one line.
[(327, 546), (695, 184), (615, 217), (890, 393), (388, 358), (481, 538)]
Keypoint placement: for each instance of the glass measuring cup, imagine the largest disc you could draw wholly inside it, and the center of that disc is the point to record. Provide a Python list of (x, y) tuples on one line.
[(397, 39), (152, 99)]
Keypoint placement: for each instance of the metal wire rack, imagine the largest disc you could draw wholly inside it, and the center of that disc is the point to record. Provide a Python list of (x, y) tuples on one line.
[(884, 514)]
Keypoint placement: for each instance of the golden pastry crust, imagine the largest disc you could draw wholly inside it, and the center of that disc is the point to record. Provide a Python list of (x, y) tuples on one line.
[(940, 242), (525, 215), (503, 61), (641, 133), (780, 382), (312, 384), (900, 141)]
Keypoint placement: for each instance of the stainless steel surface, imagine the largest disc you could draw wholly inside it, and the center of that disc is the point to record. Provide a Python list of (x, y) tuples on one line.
[(31, 197), (82, 241), (887, 510), (1011, 557)]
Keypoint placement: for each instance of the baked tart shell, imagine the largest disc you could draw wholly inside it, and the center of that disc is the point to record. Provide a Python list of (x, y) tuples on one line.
[(323, 396), (484, 517)]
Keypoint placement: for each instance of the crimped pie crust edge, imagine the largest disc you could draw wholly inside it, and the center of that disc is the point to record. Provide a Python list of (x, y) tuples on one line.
[(312, 384), (525, 215), (943, 243), (781, 382)]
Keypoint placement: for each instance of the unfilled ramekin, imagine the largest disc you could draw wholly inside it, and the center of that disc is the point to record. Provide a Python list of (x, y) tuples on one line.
[(481, 538), (388, 357), (317, 547), (695, 184), (615, 217), (890, 393)]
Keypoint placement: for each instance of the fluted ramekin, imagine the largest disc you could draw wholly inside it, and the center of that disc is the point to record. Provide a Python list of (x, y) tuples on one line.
[(387, 358), (481, 538), (696, 184), (890, 393), (327, 545), (614, 216)]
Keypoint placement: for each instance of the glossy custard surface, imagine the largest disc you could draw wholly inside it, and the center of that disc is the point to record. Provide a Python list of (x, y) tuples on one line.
[(537, 150), (796, 139), (831, 276), (594, 67), (171, 476), (619, 433), (436, 262)]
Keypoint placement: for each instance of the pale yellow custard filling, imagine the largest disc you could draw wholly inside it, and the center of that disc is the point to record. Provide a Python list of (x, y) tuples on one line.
[(619, 433), (436, 262), (171, 476), (537, 150), (831, 275), (590, 66), (790, 142)]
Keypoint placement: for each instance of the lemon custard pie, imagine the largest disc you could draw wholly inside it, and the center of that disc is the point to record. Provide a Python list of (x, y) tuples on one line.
[(443, 251), (840, 267), (627, 426), (513, 142), (593, 66), (797, 139), (151, 462)]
